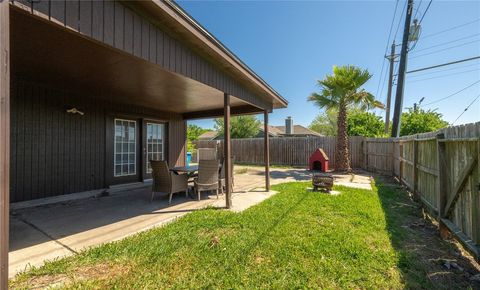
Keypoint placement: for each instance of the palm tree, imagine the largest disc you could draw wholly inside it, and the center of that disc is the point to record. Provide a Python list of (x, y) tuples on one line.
[(341, 91)]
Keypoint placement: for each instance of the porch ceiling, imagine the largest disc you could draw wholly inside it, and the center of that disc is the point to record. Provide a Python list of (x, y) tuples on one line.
[(43, 52)]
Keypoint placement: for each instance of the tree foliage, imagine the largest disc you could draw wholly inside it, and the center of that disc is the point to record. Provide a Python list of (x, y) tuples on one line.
[(193, 132), (366, 124), (325, 123), (421, 121), (240, 126), (359, 123), (343, 90)]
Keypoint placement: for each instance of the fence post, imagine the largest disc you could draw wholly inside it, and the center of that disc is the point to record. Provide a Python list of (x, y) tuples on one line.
[(365, 153), (394, 145), (400, 163), (415, 169), (442, 184)]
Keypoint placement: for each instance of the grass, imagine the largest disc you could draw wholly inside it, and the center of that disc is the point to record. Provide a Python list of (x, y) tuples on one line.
[(296, 239)]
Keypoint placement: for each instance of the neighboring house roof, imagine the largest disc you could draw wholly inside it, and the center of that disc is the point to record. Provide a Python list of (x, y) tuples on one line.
[(209, 135), (297, 130), (273, 131)]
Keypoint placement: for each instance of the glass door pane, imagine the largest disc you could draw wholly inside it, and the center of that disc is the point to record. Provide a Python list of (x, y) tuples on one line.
[(155, 143), (125, 148)]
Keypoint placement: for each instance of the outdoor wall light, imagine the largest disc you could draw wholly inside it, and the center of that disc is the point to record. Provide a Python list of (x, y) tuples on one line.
[(75, 111)]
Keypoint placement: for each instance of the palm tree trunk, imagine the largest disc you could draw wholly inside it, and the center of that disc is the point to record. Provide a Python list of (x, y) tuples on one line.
[(342, 154)]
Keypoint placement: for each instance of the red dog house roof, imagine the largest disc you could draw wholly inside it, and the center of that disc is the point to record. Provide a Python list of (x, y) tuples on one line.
[(318, 160)]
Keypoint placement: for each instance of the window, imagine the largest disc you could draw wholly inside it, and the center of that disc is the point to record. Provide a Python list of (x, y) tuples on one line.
[(155, 143), (125, 147)]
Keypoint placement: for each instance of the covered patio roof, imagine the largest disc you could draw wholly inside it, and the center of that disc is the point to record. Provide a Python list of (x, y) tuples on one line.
[(46, 53)]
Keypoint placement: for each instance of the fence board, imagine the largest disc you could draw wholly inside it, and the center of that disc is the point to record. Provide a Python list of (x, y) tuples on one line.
[(293, 151)]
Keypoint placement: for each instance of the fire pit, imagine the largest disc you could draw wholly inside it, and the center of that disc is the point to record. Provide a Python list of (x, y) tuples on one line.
[(322, 181)]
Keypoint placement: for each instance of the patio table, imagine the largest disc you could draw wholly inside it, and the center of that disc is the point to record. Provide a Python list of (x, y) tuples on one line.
[(190, 170)]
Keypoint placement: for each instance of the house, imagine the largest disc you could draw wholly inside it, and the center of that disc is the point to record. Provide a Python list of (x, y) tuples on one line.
[(209, 135), (289, 130), (92, 90)]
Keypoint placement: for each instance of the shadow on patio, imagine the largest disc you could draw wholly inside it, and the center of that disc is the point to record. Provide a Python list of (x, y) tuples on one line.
[(60, 229)]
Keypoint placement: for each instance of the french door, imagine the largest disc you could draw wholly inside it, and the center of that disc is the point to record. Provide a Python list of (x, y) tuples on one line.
[(131, 144), (154, 145)]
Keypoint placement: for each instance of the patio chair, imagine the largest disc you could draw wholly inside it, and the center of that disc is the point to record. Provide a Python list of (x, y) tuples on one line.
[(166, 181), (206, 154), (207, 177), (221, 180)]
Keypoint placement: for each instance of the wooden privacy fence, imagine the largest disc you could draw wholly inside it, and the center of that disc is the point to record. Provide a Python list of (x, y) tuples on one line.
[(292, 151), (442, 169)]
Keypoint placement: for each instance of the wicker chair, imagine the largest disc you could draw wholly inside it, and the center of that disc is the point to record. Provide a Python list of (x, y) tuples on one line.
[(221, 180), (207, 177), (166, 181)]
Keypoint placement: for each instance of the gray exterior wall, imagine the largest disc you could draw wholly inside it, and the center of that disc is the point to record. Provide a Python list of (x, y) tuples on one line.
[(55, 153)]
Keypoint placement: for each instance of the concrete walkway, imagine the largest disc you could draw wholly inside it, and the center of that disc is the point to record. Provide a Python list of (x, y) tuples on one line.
[(52, 231)]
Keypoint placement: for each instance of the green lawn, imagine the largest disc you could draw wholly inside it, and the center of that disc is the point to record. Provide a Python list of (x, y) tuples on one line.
[(296, 239)]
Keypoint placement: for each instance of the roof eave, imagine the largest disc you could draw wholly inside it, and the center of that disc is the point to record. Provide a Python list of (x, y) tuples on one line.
[(182, 20)]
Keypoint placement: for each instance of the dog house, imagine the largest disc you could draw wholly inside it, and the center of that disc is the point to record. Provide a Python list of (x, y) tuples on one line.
[(318, 161)]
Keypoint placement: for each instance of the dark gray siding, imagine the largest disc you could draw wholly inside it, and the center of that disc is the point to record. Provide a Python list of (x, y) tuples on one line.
[(114, 24), (55, 153)]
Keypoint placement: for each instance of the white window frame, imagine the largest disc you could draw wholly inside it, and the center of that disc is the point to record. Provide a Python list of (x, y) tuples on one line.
[(162, 125), (115, 148)]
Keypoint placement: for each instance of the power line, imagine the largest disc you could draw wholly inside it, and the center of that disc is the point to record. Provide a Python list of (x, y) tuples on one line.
[(442, 76), (448, 69), (426, 10), (444, 49), (444, 64), (448, 42), (453, 94), (451, 28), (466, 109), (400, 20), (386, 47)]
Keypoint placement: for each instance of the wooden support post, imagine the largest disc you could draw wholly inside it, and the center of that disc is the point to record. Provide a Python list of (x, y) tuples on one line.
[(4, 139), (266, 151), (442, 184), (415, 169), (227, 150)]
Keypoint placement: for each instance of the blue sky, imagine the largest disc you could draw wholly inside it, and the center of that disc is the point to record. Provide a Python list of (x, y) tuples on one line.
[(292, 44)]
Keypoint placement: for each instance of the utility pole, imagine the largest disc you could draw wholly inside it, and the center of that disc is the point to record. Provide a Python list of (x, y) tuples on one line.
[(391, 58), (401, 72)]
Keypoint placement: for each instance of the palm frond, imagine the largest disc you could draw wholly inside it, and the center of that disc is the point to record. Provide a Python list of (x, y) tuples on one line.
[(324, 100), (344, 87)]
